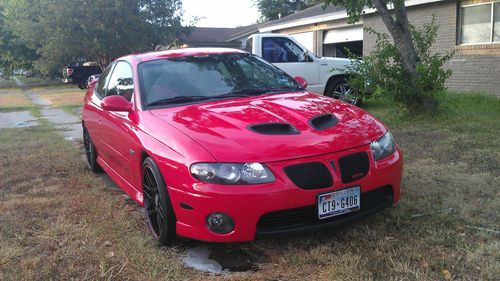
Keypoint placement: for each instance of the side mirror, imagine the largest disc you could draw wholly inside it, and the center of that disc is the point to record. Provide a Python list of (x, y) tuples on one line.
[(116, 103), (302, 82)]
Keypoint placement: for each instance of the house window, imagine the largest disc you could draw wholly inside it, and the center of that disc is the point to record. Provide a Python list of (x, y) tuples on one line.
[(480, 22)]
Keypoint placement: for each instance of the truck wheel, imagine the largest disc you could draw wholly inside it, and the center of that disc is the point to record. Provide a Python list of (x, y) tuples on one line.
[(339, 89), (84, 83)]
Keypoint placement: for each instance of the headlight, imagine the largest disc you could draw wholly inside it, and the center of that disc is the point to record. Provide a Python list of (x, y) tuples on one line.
[(383, 147), (232, 173)]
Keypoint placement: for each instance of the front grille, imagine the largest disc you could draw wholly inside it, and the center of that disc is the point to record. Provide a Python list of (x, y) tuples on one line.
[(354, 166), (311, 175), (307, 217)]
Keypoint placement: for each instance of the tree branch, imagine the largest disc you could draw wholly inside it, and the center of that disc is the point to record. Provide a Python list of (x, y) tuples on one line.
[(386, 15)]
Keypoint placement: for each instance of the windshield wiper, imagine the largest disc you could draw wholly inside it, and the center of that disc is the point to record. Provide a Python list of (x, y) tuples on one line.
[(253, 92), (281, 89), (239, 93), (178, 100)]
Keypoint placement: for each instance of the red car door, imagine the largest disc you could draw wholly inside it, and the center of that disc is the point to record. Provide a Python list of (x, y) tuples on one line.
[(117, 128), (94, 113)]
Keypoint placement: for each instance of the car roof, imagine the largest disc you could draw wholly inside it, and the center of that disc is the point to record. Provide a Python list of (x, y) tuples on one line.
[(181, 53)]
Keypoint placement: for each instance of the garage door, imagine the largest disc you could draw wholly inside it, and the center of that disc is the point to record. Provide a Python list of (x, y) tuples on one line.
[(306, 39), (343, 35)]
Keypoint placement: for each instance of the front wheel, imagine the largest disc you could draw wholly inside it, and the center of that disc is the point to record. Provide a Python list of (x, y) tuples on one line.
[(157, 206), (341, 90)]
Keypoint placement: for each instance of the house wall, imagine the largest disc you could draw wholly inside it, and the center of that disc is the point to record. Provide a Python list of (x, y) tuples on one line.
[(475, 67)]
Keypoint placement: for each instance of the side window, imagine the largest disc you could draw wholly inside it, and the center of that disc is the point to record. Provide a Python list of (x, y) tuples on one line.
[(103, 81), (281, 49), (121, 82)]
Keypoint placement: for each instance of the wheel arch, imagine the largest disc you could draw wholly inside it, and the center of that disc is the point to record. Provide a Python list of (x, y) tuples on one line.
[(331, 79)]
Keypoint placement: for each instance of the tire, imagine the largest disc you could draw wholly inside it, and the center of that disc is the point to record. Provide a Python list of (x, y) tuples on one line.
[(90, 152), (157, 205), (339, 89), (83, 83)]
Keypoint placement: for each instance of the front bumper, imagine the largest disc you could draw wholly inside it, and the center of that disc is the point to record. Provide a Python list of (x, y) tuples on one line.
[(250, 205)]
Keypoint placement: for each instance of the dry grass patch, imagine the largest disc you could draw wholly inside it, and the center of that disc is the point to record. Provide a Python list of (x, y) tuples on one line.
[(58, 221), (65, 98), (7, 83), (13, 102)]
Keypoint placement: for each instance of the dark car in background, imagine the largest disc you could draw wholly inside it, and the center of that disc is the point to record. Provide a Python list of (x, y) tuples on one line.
[(78, 73)]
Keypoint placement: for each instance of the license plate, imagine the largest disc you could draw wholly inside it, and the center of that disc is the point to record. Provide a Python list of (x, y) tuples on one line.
[(338, 202)]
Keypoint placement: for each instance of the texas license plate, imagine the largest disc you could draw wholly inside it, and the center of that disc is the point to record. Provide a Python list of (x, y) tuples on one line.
[(338, 202)]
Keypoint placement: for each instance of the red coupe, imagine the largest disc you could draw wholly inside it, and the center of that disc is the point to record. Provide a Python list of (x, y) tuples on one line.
[(219, 145)]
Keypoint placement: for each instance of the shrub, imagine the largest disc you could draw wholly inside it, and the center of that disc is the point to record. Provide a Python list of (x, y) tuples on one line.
[(384, 71)]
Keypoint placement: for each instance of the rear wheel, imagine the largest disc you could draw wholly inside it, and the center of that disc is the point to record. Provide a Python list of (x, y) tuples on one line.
[(157, 206), (90, 152), (341, 90)]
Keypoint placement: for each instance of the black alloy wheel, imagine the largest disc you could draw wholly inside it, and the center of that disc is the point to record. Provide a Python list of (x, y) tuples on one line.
[(157, 206)]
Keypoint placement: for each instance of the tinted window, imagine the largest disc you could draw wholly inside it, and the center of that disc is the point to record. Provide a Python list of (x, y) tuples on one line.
[(210, 76), (121, 81), (281, 49), (103, 81)]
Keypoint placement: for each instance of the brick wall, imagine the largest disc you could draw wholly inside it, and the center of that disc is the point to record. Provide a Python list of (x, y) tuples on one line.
[(475, 67)]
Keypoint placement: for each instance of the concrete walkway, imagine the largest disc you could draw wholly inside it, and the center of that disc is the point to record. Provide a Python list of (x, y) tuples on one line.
[(17, 119), (69, 125)]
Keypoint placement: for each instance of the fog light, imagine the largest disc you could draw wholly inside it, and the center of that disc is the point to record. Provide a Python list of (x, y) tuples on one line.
[(220, 223)]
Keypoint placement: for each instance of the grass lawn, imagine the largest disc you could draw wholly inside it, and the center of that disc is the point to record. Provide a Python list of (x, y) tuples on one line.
[(7, 83), (31, 80), (59, 221), (14, 102), (69, 98)]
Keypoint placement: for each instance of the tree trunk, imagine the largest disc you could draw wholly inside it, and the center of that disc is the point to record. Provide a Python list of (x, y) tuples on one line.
[(103, 62), (400, 32)]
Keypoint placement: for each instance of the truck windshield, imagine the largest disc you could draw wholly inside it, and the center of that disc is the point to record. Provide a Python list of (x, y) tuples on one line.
[(188, 79)]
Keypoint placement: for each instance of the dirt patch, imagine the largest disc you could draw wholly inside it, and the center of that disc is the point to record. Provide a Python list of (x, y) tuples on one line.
[(10, 102)]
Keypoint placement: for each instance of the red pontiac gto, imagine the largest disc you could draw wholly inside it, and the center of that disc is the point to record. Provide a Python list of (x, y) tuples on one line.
[(219, 145)]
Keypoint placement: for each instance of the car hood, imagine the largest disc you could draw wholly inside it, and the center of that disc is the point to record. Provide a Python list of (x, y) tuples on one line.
[(225, 127)]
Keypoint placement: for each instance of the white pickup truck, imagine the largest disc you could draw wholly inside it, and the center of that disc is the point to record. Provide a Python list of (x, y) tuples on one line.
[(323, 74)]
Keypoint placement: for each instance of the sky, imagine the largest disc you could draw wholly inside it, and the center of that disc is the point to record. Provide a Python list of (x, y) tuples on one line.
[(220, 13)]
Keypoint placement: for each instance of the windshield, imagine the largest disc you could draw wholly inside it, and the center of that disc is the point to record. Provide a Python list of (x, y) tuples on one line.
[(174, 81)]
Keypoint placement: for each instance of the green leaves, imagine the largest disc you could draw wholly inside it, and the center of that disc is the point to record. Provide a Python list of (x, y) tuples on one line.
[(384, 69), (271, 9), (354, 7), (102, 30)]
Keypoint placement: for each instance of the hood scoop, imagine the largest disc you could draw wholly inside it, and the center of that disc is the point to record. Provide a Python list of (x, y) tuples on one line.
[(323, 121), (274, 128)]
